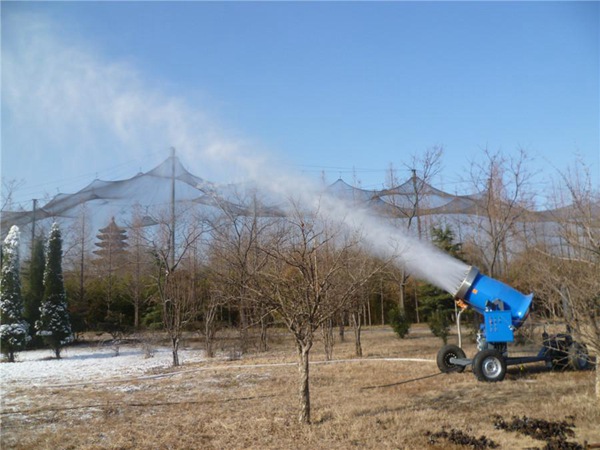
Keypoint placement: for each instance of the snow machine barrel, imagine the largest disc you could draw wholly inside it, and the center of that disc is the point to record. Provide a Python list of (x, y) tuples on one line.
[(504, 308)]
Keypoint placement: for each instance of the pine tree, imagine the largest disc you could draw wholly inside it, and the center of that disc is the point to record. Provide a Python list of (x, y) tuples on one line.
[(35, 292), (436, 305), (54, 324), (13, 329)]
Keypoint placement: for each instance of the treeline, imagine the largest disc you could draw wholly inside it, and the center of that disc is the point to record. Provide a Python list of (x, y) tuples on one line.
[(309, 272), (122, 277)]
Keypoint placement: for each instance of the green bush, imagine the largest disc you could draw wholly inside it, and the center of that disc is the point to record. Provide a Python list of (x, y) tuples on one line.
[(439, 324), (399, 322), (152, 319)]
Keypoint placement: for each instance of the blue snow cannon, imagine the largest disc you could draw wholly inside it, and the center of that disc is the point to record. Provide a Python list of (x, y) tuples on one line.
[(504, 308)]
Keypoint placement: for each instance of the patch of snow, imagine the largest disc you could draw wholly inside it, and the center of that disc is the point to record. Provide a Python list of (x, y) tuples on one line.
[(88, 364)]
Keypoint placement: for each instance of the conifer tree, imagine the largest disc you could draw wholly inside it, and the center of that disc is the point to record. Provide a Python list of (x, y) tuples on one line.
[(436, 305), (35, 292), (13, 329), (54, 324)]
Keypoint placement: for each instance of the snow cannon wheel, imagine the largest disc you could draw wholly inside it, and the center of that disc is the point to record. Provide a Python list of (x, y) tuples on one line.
[(560, 360), (445, 354), (489, 365), (579, 358)]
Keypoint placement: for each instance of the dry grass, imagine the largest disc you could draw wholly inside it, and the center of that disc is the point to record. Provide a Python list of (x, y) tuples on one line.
[(236, 404)]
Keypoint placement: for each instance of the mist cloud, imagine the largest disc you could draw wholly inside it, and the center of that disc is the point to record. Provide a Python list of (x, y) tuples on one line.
[(66, 98)]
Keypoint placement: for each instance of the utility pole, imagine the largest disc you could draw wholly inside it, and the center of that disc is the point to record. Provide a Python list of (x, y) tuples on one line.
[(33, 227), (418, 214), (82, 257), (172, 207)]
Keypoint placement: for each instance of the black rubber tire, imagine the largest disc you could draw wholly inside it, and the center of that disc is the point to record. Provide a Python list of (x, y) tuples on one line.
[(489, 365), (560, 360), (579, 359), (444, 355)]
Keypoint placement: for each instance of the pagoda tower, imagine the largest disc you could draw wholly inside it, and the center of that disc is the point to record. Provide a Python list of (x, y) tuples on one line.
[(111, 241), (112, 258)]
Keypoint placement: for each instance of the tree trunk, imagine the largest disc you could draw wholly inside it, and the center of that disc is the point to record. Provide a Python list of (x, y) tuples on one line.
[(243, 327), (210, 352), (357, 325), (209, 338), (263, 335), (175, 348), (57, 352), (402, 297), (327, 329), (304, 391), (416, 301), (136, 315), (598, 378), (342, 331)]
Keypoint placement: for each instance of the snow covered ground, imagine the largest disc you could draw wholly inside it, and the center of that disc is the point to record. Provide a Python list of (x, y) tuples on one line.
[(88, 364)]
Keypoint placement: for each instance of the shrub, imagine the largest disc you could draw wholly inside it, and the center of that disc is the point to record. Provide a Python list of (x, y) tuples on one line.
[(399, 322), (439, 324)]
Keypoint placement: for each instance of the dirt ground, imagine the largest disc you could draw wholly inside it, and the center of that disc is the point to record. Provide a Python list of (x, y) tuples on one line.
[(373, 402)]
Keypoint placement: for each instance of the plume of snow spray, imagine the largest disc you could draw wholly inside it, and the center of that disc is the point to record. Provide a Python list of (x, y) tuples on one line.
[(86, 105), (421, 258)]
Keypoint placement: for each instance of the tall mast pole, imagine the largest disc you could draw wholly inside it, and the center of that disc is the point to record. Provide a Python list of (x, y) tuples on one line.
[(33, 226), (172, 207), (417, 194), (418, 213)]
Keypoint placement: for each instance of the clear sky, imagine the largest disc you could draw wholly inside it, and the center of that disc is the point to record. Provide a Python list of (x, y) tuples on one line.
[(103, 89)]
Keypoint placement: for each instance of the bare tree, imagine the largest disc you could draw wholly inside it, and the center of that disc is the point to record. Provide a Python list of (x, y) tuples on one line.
[(302, 282), (218, 294), (356, 318), (567, 270), (179, 307), (358, 304), (328, 338), (235, 250), (9, 187), (210, 307), (503, 197), (410, 200), (76, 256), (139, 262), (177, 291)]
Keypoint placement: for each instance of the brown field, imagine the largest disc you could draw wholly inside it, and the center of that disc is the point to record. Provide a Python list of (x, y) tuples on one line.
[(252, 403)]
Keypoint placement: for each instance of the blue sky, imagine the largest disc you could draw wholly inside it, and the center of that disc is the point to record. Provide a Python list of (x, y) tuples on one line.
[(104, 89)]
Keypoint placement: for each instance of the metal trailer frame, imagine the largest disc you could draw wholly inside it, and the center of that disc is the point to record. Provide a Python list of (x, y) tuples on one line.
[(558, 351)]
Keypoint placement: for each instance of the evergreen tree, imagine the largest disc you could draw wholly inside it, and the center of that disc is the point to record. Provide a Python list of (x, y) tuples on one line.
[(54, 324), (399, 322), (13, 329), (439, 324), (434, 299), (35, 292), (444, 238), (436, 305)]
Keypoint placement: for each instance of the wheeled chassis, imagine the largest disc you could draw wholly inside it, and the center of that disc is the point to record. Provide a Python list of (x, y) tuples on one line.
[(489, 364)]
